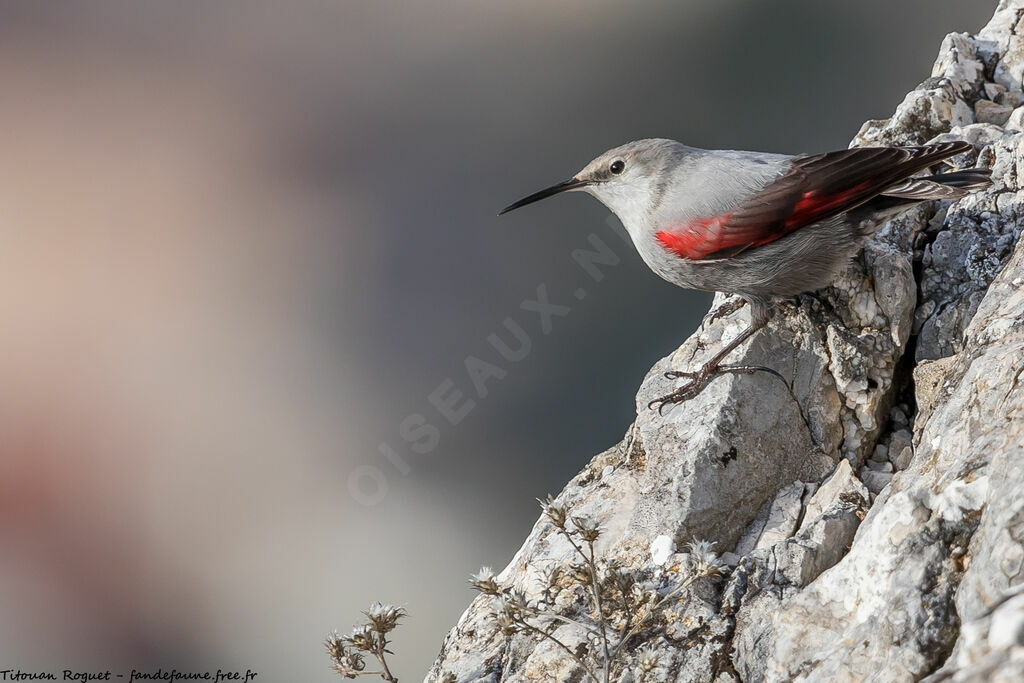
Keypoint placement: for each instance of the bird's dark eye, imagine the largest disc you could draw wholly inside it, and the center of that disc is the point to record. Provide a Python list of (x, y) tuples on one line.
[(617, 166)]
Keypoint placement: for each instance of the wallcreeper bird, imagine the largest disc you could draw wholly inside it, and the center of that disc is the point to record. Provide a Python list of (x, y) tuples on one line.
[(762, 226)]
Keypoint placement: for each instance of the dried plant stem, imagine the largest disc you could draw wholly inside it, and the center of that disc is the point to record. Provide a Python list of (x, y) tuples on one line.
[(596, 589), (595, 585), (559, 617), (385, 671), (371, 638), (530, 627), (648, 610)]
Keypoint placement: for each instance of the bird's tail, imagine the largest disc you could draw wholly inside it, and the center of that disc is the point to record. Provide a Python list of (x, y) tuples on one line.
[(941, 185), (969, 179), (951, 185)]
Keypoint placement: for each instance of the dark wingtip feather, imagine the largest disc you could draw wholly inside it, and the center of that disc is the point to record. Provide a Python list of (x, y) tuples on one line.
[(969, 179)]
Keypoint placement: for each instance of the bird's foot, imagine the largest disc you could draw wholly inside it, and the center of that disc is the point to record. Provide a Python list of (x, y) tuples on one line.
[(727, 308), (700, 379)]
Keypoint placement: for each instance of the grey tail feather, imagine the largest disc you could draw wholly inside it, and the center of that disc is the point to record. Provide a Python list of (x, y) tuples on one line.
[(923, 188), (939, 186), (971, 178)]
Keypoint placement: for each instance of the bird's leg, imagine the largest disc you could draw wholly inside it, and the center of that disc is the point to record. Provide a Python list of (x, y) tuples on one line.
[(712, 368), (727, 308)]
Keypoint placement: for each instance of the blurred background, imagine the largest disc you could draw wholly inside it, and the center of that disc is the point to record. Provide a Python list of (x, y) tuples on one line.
[(241, 243)]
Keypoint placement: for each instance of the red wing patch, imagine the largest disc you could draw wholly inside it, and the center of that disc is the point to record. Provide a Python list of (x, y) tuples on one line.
[(714, 237), (813, 205), (696, 239)]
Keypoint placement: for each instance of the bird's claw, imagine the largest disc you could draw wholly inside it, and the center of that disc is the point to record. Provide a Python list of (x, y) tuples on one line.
[(701, 378), (698, 380)]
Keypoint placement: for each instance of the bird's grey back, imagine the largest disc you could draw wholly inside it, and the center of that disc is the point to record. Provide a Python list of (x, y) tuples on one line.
[(707, 183)]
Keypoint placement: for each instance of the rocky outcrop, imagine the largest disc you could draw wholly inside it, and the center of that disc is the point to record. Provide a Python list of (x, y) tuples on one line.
[(870, 521)]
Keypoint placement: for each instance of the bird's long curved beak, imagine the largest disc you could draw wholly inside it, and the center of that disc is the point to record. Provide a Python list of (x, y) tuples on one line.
[(570, 184)]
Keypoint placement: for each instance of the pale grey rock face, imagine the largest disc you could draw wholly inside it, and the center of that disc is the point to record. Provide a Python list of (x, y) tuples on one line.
[(988, 111), (872, 523)]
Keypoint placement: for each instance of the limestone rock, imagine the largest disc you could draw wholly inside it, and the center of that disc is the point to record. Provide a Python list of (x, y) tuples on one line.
[(835, 567), (986, 111)]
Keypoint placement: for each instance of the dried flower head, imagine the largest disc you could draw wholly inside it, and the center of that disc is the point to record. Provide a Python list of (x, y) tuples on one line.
[(506, 604), (647, 659), (485, 581), (507, 624), (701, 547), (506, 614), (351, 665), (335, 645), (517, 600), (588, 529), (363, 638), (704, 561), (346, 663), (555, 513), (383, 617)]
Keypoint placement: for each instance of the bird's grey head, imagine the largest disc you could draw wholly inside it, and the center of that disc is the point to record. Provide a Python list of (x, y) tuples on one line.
[(629, 179)]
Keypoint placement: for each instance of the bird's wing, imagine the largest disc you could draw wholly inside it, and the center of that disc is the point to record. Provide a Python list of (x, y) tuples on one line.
[(813, 189)]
